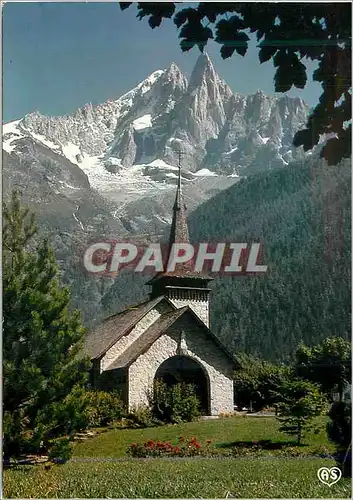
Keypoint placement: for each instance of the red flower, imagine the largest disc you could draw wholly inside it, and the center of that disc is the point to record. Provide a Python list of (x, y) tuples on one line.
[(134, 445), (208, 441), (149, 443), (177, 449), (193, 440), (197, 445)]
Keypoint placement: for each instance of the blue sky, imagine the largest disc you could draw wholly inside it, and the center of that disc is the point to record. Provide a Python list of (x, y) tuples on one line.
[(59, 56)]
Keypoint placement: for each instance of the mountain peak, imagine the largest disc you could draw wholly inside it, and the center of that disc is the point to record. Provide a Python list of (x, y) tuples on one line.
[(203, 69), (173, 68), (174, 79), (173, 72)]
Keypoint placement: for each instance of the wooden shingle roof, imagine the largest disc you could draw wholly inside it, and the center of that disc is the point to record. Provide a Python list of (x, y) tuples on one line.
[(156, 330), (179, 233), (115, 327), (144, 342)]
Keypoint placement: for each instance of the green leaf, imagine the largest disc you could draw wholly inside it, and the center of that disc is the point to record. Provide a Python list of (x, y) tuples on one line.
[(266, 53), (227, 51), (124, 5), (299, 75), (283, 79)]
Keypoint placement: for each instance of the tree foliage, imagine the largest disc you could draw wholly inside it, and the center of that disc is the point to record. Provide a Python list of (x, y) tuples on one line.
[(257, 382), (302, 216), (300, 402), (327, 364), (41, 340), (288, 34), (175, 403), (339, 431)]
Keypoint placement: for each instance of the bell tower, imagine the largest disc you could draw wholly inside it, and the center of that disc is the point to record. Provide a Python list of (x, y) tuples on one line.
[(183, 286)]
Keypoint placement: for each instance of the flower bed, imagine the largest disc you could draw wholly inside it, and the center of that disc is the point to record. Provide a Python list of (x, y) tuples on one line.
[(192, 447), (184, 448)]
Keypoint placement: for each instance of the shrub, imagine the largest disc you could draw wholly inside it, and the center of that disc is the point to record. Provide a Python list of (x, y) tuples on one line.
[(141, 416), (103, 408), (339, 432), (60, 450), (72, 413), (183, 448), (174, 404), (300, 402), (256, 383), (327, 364)]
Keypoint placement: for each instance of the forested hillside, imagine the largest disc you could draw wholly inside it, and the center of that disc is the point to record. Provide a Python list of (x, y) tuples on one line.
[(301, 214)]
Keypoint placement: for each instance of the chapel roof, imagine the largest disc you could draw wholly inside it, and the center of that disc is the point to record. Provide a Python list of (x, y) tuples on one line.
[(156, 330), (179, 233), (144, 342), (115, 327)]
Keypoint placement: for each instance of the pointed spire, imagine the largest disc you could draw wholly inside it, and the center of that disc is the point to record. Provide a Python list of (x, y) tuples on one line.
[(179, 231), (179, 196)]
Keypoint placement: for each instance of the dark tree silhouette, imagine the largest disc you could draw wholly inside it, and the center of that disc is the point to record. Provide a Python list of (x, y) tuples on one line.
[(287, 33)]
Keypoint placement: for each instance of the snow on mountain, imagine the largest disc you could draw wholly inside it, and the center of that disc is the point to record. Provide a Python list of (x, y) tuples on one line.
[(110, 170), (204, 172), (142, 122), (127, 149)]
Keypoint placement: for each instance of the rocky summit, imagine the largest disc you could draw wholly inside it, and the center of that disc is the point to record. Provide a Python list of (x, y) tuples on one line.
[(112, 168)]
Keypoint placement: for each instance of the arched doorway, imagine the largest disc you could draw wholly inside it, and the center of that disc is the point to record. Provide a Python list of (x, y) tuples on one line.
[(184, 369)]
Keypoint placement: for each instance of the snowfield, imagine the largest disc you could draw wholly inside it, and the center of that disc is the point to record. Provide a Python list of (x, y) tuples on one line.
[(10, 133), (142, 123), (205, 172), (128, 147)]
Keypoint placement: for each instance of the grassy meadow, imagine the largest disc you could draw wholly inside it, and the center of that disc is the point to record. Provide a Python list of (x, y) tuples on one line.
[(100, 467)]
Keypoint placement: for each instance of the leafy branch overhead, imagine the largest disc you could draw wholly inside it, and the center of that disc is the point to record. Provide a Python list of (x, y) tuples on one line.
[(289, 34)]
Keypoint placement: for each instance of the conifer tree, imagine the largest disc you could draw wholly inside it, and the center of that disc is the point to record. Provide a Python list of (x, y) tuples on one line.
[(41, 340)]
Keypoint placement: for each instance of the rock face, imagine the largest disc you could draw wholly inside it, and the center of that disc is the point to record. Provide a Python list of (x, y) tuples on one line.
[(127, 149), (217, 128), (111, 169)]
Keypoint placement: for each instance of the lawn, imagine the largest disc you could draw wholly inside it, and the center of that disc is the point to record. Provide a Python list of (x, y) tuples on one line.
[(223, 433), (100, 467)]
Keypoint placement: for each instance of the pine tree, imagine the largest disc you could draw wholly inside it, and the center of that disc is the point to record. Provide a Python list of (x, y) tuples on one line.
[(300, 402), (41, 339)]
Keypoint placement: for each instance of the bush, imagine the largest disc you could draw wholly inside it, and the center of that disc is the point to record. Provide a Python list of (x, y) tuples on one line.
[(327, 364), (103, 408), (87, 408), (71, 414), (256, 383), (339, 432), (141, 416), (184, 448), (174, 404), (60, 450), (300, 402)]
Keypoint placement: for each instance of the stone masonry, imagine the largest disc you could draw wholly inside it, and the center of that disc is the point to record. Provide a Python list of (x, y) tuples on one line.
[(170, 329), (215, 363)]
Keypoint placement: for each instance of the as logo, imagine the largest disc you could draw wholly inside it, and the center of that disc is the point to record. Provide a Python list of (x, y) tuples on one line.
[(329, 476)]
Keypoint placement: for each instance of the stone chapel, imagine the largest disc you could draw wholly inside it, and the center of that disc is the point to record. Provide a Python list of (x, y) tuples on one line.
[(166, 338)]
